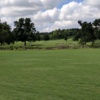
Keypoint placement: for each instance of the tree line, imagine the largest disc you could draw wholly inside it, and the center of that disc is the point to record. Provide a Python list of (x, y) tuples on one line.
[(25, 31)]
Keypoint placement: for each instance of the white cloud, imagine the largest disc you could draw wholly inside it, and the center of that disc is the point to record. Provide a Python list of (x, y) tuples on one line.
[(95, 3), (69, 9), (47, 16)]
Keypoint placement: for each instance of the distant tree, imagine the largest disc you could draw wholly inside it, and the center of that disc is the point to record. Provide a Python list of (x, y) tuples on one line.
[(65, 37), (6, 35), (77, 36), (19, 29), (60, 34), (25, 30), (96, 25), (1, 34), (55, 34), (38, 36), (10, 38), (46, 37), (86, 33)]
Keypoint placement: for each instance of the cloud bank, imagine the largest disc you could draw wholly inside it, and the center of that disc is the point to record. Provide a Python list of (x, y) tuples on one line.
[(47, 15)]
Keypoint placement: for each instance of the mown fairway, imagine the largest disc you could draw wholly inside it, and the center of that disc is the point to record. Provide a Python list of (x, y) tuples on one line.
[(50, 74)]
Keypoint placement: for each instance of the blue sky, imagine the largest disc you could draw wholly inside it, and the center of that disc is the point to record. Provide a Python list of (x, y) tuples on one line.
[(49, 15), (68, 1)]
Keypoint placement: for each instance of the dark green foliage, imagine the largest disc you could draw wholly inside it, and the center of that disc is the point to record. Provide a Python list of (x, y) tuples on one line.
[(57, 34), (96, 25), (38, 36), (60, 34), (97, 33), (89, 32), (86, 33), (25, 30), (65, 37), (10, 38), (46, 37), (77, 36), (6, 36)]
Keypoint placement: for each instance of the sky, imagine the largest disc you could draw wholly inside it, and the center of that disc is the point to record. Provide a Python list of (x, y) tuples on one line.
[(49, 15)]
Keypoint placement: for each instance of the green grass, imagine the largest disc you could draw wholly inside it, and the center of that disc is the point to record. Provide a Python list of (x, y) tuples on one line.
[(51, 44), (41, 44), (50, 74)]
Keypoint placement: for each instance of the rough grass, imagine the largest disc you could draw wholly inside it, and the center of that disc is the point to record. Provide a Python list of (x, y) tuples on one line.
[(51, 44), (50, 74)]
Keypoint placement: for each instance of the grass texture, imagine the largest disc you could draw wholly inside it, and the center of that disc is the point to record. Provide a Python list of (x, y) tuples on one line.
[(72, 74)]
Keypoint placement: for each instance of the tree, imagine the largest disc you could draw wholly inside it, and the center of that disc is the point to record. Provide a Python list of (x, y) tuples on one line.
[(25, 30), (65, 37), (6, 35), (96, 25), (86, 33), (30, 30), (46, 37), (1, 33), (77, 36), (38, 36)]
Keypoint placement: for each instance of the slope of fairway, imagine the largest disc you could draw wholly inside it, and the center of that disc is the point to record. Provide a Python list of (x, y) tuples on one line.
[(50, 75)]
